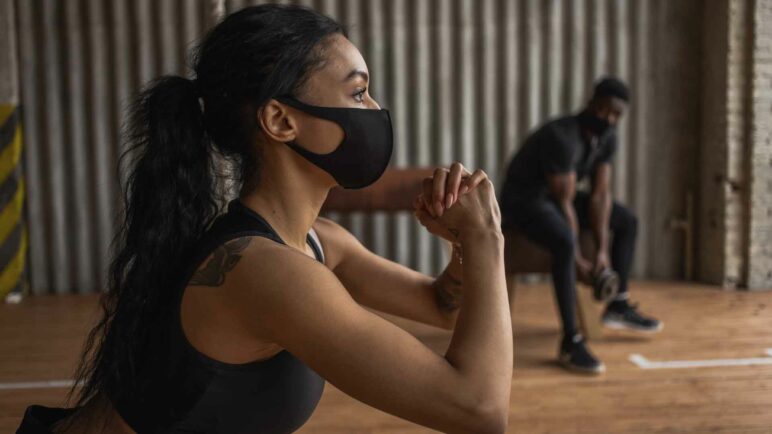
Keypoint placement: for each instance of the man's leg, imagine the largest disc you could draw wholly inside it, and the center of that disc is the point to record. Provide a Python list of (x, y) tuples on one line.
[(624, 227), (544, 224), (620, 313)]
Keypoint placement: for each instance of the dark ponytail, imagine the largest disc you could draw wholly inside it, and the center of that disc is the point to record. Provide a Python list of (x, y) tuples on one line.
[(177, 131), (169, 199), (170, 194)]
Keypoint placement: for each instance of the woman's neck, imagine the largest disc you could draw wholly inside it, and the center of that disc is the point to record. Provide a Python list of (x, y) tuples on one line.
[(290, 206)]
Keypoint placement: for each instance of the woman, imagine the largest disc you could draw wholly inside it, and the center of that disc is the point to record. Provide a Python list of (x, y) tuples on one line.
[(232, 324)]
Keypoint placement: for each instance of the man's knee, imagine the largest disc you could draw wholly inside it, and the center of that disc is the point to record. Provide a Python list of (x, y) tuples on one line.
[(563, 243), (627, 221)]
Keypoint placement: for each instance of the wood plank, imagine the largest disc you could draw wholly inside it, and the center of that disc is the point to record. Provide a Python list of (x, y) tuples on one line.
[(40, 340)]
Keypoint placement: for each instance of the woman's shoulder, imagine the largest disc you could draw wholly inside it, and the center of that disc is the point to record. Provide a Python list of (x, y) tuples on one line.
[(329, 227), (272, 260), (331, 231), (336, 240), (272, 278)]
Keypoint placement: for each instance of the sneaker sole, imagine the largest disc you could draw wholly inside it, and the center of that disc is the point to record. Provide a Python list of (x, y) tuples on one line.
[(565, 363), (621, 325)]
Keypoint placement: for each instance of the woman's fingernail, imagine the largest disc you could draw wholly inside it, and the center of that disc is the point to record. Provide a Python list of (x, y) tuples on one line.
[(464, 189), (448, 200)]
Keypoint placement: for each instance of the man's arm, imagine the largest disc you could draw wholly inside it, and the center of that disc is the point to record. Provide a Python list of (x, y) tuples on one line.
[(600, 212), (562, 187)]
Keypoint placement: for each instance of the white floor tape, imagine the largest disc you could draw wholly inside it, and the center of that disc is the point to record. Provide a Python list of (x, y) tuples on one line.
[(644, 363)]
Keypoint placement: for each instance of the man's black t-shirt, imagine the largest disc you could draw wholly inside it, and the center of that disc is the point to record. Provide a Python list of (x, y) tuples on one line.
[(556, 147)]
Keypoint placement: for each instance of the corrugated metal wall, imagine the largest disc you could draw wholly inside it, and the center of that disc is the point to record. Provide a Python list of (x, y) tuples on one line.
[(465, 80), (80, 61)]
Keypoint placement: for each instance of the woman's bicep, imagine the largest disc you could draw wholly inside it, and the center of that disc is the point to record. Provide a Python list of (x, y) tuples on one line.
[(313, 317)]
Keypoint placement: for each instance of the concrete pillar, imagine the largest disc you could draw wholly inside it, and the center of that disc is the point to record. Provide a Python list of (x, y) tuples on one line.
[(13, 232), (734, 247), (759, 268)]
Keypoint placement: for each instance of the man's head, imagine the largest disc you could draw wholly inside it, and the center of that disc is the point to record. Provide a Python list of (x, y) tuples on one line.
[(609, 100)]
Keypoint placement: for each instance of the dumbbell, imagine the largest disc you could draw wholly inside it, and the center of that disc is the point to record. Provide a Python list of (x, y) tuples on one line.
[(605, 284)]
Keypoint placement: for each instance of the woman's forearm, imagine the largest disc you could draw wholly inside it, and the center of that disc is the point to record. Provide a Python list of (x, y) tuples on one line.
[(481, 346), (448, 285)]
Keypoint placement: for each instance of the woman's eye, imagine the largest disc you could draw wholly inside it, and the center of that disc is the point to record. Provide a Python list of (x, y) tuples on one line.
[(360, 95)]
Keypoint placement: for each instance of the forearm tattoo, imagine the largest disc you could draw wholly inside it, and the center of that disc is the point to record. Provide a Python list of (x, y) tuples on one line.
[(455, 232), (447, 290), (223, 259)]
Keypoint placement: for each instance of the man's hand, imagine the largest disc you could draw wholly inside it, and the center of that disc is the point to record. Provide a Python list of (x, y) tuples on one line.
[(584, 270), (601, 261)]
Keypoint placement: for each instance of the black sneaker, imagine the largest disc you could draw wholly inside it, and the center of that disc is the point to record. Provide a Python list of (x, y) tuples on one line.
[(575, 356), (623, 316)]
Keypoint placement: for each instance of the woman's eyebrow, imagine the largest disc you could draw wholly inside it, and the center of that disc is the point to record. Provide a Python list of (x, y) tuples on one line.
[(357, 73)]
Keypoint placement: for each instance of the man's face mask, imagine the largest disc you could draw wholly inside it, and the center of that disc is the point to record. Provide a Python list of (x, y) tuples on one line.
[(363, 155), (593, 123)]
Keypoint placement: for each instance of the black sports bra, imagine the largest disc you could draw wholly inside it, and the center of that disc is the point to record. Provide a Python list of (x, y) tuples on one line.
[(193, 393)]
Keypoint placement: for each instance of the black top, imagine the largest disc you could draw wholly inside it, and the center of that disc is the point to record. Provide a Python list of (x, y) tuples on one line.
[(192, 393), (41, 420), (554, 148)]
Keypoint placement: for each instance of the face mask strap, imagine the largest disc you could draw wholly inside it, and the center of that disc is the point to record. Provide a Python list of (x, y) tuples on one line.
[(335, 114), (320, 112)]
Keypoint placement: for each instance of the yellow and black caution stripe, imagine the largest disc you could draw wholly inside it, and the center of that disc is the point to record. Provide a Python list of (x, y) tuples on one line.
[(13, 232)]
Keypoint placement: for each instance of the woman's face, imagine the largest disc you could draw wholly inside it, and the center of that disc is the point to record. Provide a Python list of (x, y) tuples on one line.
[(341, 81)]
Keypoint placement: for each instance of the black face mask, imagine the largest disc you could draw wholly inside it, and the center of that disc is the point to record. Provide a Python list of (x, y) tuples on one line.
[(593, 123), (363, 155)]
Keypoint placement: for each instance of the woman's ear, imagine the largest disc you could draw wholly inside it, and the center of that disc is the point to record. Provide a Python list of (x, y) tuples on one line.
[(276, 122)]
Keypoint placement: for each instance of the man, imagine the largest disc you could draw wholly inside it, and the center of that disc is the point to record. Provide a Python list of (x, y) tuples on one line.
[(539, 198)]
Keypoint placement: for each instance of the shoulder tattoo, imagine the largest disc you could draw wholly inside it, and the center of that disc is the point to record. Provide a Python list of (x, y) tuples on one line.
[(222, 260)]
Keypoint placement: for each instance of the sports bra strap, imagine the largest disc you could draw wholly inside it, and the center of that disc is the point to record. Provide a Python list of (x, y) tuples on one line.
[(242, 221)]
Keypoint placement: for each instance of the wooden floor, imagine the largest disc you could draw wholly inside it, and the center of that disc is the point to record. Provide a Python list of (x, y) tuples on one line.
[(40, 338)]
